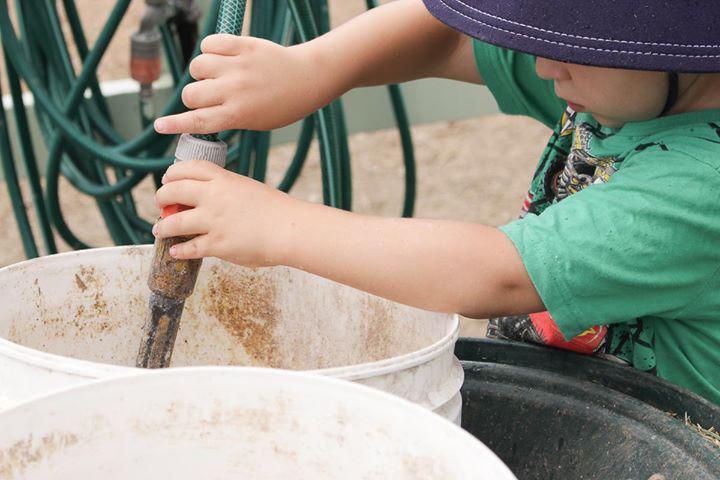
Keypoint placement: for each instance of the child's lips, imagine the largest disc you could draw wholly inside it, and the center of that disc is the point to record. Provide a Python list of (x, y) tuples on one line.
[(576, 106)]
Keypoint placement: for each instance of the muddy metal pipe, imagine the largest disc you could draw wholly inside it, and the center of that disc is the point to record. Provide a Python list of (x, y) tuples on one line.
[(171, 280)]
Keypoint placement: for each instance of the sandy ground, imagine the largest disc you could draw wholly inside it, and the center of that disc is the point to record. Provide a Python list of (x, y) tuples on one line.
[(475, 170)]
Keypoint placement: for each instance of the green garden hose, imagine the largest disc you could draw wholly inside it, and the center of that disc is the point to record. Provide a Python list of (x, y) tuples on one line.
[(85, 147)]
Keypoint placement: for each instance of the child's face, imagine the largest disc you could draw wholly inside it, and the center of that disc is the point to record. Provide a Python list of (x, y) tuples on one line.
[(613, 96)]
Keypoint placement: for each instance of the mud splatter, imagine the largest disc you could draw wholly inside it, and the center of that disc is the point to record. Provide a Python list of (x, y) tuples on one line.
[(80, 284), (90, 312), (244, 304), (15, 459), (136, 252), (381, 337), (89, 281), (96, 313)]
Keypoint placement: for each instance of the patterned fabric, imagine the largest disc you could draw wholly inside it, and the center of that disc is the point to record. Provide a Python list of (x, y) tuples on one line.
[(566, 168)]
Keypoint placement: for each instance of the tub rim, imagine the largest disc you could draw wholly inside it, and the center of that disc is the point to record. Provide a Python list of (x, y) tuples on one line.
[(92, 369), (391, 401)]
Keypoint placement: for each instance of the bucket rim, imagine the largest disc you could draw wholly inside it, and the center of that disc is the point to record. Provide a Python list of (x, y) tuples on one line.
[(92, 369), (212, 375)]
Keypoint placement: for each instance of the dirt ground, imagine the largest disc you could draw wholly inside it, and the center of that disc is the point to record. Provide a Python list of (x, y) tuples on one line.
[(474, 170)]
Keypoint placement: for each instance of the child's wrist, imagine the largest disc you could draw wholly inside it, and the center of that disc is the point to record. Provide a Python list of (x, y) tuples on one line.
[(302, 233), (329, 78), (283, 249)]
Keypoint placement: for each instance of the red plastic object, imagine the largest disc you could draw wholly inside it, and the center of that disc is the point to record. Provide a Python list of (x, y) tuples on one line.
[(587, 342), (172, 209)]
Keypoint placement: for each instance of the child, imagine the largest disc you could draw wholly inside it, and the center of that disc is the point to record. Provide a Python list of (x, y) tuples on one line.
[(621, 224)]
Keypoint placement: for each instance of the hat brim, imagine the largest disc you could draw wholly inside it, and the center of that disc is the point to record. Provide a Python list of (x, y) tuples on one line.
[(616, 34)]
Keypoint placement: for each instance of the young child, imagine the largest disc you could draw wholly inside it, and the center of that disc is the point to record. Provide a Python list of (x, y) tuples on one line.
[(620, 227)]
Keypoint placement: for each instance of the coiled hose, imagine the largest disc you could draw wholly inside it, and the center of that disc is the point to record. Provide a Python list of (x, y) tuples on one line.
[(85, 147)]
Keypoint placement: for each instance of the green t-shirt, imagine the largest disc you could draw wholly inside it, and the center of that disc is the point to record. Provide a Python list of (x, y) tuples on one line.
[(640, 250)]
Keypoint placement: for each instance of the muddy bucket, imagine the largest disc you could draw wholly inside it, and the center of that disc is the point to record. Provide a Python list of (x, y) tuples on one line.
[(219, 422), (78, 316)]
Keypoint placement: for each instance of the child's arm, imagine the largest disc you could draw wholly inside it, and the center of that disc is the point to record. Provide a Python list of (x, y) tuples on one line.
[(395, 43), (250, 83), (438, 265)]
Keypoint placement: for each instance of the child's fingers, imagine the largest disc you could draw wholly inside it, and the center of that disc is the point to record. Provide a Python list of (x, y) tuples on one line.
[(205, 93), (184, 192), (198, 247), (204, 120), (187, 222), (207, 65), (224, 44), (192, 170)]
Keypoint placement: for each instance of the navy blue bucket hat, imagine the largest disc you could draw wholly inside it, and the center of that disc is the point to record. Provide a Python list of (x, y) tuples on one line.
[(661, 35)]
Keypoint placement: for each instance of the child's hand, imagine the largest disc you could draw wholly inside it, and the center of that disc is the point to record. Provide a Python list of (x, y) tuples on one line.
[(432, 264), (234, 217), (248, 83)]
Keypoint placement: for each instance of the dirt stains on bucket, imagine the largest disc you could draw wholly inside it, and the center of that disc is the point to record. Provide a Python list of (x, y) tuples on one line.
[(244, 304), (384, 337), (15, 459), (79, 282), (387, 333), (180, 417), (90, 283), (133, 252), (88, 313), (93, 314), (416, 466)]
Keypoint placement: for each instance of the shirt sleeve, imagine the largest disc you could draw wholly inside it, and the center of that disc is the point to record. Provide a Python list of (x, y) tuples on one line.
[(517, 89), (643, 244)]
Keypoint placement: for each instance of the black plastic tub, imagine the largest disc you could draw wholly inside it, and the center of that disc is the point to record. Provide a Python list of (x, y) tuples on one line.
[(552, 414)]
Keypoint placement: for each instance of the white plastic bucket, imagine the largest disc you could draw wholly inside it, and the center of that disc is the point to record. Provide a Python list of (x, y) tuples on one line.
[(219, 422), (78, 316)]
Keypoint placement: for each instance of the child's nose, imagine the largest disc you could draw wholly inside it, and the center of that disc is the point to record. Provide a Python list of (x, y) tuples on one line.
[(550, 69)]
